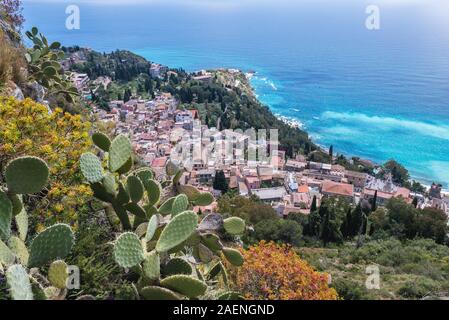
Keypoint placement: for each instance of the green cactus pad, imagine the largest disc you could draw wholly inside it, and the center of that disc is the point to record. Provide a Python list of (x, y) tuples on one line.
[(233, 256), (230, 295), (38, 290), (212, 241), (151, 228), (126, 167), (180, 204), (19, 282), (234, 225), (171, 168), (119, 153), (204, 253), (154, 191), (159, 293), (136, 210), (22, 224), (141, 229), (5, 216), (26, 175), (91, 168), (6, 255), (101, 141), (191, 192), (20, 250), (17, 204), (177, 177), (179, 229), (152, 265), (122, 196), (165, 208), (214, 271), (144, 174), (109, 184), (186, 285), (128, 251), (204, 199), (53, 243), (58, 274), (177, 266), (135, 188), (101, 193)]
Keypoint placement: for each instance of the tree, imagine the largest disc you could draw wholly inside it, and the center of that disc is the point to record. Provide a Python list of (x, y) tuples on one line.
[(276, 272), (374, 202), (279, 230), (220, 182), (331, 152), (313, 206), (398, 172), (432, 223)]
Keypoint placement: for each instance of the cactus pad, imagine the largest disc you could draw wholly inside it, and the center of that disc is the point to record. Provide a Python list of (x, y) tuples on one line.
[(152, 265), (22, 224), (211, 222), (204, 253), (154, 191), (101, 141), (19, 282), (159, 293), (135, 188), (191, 192), (20, 250), (91, 167), (26, 175), (126, 167), (212, 241), (53, 243), (179, 229), (171, 168), (17, 204), (233, 256), (186, 285), (109, 184), (144, 174), (234, 225), (180, 204), (5, 216), (203, 199), (165, 208), (58, 274), (122, 196), (119, 153), (151, 228), (128, 251), (135, 209), (230, 295), (6, 255), (177, 266)]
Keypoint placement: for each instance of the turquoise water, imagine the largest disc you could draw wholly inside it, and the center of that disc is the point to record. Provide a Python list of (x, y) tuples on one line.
[(375, 94)]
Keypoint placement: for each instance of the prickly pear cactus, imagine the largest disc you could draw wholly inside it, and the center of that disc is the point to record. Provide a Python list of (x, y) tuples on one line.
[(53, 243), (120, 152), (186, 285), (134, 188), (5, 216), (177, 266), (91, 167), (128, 251), (233, 256), (152, 266), (19, 283), (58, 274), (101, 141), (26, 175), (180, 204), (159, 293), (234, 225), (179, 229)]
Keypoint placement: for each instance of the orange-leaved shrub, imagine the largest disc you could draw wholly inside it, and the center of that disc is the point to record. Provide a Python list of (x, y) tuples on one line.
[(31, 129), (276, 272)]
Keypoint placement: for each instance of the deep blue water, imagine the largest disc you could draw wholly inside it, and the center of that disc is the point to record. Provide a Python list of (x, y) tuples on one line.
[(375, 94)]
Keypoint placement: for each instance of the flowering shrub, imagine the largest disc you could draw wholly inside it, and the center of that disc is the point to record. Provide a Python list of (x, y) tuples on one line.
[(29, 128), (276, 272)]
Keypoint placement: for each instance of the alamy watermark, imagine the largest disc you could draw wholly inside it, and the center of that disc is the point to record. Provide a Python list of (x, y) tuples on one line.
[(372, 22), (73, 21), (373, 280)]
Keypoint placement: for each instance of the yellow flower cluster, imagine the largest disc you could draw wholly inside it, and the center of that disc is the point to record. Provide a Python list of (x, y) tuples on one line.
[(29, 128), (276, 272)]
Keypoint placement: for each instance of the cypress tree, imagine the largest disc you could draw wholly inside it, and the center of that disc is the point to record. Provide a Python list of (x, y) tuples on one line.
[(313, 206)]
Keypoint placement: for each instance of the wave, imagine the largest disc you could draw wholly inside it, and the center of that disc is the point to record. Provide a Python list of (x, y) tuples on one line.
[(388, 123)]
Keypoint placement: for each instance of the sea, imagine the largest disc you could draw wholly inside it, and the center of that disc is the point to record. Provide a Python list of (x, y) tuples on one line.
[(370, 78)]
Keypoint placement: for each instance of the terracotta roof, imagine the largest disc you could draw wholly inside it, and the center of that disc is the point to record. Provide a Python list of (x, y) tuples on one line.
[(159, 162), (303, 188), (342, 189)]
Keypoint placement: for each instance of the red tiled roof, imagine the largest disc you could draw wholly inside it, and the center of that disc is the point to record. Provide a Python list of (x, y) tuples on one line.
[(342, 189)]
